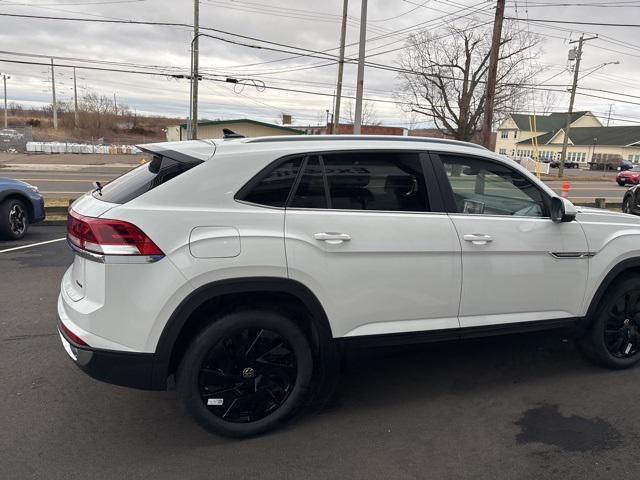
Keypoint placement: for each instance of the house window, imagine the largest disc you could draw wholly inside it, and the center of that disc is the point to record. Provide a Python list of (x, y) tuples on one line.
[(515, 134), (504, 134), (503, 151)]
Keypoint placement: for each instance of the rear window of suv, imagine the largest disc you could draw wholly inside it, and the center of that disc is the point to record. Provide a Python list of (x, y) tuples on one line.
[(156, 171)]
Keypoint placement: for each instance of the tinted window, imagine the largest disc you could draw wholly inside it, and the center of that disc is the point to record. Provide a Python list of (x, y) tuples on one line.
[(142, 179), (391, 181), (483, 187), (274, 188), (311, 192)]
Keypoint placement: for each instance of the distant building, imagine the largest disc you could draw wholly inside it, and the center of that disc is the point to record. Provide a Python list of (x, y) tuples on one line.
[(347, 129), (243, 126), (589, 141), (435, 133)]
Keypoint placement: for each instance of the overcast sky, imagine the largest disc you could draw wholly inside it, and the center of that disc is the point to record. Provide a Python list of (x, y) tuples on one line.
[(308, 24)]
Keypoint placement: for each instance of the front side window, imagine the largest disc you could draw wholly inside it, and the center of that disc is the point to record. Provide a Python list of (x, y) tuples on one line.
[(386, 181), (482, 187)]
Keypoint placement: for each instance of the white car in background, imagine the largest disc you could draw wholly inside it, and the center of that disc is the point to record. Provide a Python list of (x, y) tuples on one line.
[(236, 266)]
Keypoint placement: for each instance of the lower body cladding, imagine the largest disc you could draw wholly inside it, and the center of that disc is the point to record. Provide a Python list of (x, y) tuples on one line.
[(118, 368)]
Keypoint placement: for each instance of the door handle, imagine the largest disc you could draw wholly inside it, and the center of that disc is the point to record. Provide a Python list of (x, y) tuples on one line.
[(332, 238), (478, 238)]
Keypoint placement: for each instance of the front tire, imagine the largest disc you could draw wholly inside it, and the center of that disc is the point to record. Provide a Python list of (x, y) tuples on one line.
[(627, 205), (613, 338), (14, 219), (621, 184), (246, 373)]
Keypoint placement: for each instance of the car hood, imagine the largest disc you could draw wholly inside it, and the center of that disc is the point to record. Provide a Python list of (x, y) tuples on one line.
[(599, 215), (602, 227), (11, 182)]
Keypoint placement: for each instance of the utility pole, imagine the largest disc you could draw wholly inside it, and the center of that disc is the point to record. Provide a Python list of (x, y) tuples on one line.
[(115, 104), (194, 71), (4, 79), (567, 126), (357, 123), (53, 90), (343, 35), (492, 75), (609, 115), (75, 100)]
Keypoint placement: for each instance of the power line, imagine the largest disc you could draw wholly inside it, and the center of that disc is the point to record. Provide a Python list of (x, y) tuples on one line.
[(571, 22)]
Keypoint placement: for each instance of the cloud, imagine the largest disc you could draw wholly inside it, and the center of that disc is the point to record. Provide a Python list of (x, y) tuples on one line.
[(304, 23)]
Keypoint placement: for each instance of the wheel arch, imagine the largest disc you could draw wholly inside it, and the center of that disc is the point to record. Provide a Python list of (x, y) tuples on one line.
[(621, 269), (18, 195), (189, 317)]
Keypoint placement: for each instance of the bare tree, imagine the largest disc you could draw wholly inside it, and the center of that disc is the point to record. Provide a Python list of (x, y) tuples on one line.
[(444, 75), (547, 101), (369, 116)]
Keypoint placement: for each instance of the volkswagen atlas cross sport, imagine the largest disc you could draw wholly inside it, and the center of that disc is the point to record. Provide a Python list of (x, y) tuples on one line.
[(234, 268)]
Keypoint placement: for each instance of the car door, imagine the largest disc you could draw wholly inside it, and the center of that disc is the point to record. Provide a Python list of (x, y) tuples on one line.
[(366, 233), (518, 265)]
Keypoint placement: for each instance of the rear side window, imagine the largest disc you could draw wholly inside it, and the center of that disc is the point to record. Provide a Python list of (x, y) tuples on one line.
[(273, 190), (142, 179), (387, 181), (311, 191)]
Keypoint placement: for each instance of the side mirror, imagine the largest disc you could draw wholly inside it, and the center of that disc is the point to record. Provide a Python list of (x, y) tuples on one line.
[(562, 210)]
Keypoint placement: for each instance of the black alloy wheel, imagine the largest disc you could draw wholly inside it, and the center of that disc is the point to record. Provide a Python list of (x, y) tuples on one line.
[(247, 375), (622, 328), (246, 372), (14, 219), (613, 337), (627, 205)]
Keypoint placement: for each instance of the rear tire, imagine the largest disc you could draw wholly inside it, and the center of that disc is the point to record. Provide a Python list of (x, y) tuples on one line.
[(626, 205), (613, 338), (14, 219), (246, 373)]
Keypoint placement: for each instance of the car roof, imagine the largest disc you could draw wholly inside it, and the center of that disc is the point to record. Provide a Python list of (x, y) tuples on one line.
[(203, 150)]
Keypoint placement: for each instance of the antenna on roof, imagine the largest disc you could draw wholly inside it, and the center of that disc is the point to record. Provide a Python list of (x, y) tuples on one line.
[(227, 133)]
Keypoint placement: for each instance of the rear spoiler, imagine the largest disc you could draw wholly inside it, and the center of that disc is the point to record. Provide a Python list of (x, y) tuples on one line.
[(192, 152)]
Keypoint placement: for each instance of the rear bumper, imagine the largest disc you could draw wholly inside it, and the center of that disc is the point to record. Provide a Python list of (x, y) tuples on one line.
[(119, 368)]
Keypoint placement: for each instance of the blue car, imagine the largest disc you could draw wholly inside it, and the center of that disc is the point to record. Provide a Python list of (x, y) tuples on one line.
[(20, 206)]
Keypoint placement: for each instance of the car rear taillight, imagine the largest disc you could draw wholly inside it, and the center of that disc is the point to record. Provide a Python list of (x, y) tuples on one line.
[(108, 237), (71, 337)]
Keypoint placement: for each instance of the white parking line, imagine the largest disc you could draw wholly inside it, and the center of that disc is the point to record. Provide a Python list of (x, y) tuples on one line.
[(32, 245)]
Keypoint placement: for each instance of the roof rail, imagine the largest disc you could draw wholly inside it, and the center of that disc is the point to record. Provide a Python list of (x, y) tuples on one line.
[(377, 138)]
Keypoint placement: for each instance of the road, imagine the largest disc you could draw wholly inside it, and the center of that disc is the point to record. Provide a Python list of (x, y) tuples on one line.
[(70, 184), (63, 183), (525, 407)]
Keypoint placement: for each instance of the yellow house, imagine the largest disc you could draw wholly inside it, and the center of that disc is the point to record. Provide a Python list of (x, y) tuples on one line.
[(589, 141), (518, 128), (243, 126)]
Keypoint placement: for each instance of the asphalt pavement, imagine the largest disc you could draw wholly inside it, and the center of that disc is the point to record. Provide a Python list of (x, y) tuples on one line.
[(520, 406)]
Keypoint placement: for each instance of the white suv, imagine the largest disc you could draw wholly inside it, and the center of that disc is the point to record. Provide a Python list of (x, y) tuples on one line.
[(238, 266)]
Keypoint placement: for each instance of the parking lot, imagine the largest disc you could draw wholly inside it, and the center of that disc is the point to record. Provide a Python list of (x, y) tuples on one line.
[(524, 406)]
